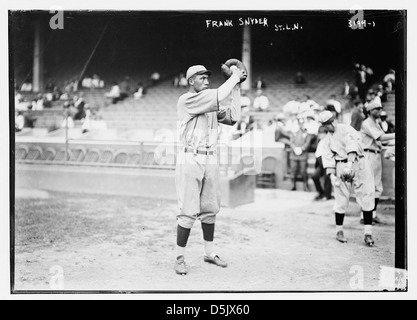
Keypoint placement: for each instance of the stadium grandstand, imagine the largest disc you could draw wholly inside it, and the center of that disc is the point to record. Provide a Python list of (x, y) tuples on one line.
[(79, 130)]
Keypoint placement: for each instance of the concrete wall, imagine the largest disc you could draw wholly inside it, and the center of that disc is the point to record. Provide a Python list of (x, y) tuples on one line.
[(236, 190)]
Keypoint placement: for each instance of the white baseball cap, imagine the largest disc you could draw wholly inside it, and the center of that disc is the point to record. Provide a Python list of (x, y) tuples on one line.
[(326, 117), (375, 103), (197, 69)]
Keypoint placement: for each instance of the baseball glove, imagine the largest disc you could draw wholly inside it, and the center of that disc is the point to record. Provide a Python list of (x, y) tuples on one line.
[(347, 175), (225, 68)]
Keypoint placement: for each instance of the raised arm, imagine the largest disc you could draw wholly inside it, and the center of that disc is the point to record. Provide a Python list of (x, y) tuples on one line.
[(226, 88), (231, 113)]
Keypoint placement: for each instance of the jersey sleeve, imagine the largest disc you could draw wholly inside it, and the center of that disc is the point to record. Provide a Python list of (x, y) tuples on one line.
[(327, 155), (372, 131), (232, 113), (202, 102)]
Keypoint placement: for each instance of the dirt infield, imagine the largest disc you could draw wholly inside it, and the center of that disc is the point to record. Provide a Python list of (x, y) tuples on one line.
[(284, 241)]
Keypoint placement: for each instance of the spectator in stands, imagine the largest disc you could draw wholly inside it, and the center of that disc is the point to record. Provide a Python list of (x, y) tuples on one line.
[(259, 83), (96, 82), (154, 78), (357, 116), (381, 93), (71, 86), (307, 104), (360, 80), (114, 93), (56, 93), (292, 125), (19, 121), (38, 102), (281, 135), (86, 82), (292, 107), (389, 80), (183, 81), (176, 81), (299, 144), (139, 92), (79, 104), (68, 121), (30, 119), (49, 86), (386, 125), (261, 102), (125, 88), (346, 90), (299, 78), (20, 102), (26, 86), (326, 191), (337, 106)]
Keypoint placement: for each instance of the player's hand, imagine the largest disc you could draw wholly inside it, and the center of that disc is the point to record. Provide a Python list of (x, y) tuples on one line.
[(238, 72), (347, 175), (298, 151), (334, 180)]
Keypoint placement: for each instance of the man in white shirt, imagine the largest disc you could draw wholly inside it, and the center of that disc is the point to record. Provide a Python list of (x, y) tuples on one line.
[(261, 102)]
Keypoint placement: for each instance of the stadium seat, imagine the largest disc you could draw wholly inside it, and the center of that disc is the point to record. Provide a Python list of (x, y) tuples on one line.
[(106, 156), (134, 158), (49, 154), (149, 159), (35, 153), (120, 157), (60, 155), (77, 154), (21, 152), (92, 156)]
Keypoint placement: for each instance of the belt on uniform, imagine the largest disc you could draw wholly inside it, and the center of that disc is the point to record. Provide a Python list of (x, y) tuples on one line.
[(373, 151), (206, 152), (346, 160)]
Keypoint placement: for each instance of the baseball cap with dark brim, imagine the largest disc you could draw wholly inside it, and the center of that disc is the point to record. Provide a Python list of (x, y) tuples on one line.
[(197, 69), (326, 117)]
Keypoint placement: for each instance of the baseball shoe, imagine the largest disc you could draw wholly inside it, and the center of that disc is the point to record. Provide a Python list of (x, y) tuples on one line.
[(341, 237), (216, 260), (376, 220), (319, 197), (369, 241), (180, 266)]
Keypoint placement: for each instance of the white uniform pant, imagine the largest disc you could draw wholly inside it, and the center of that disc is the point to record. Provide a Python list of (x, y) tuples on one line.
[(197, 180), (375, 160), (363, 186)]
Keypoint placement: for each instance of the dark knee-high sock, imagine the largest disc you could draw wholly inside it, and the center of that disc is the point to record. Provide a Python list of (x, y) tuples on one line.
[(208, 231), (182, 238), (367, 217), (208, 235), (340, 217)]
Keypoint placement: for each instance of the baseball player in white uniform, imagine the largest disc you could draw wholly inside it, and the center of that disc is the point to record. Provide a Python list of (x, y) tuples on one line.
[(349, 170), (197, 171), (373, 138)]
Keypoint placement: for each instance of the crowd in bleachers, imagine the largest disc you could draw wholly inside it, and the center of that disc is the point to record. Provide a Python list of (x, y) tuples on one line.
[(295, 125), (68, 102)]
